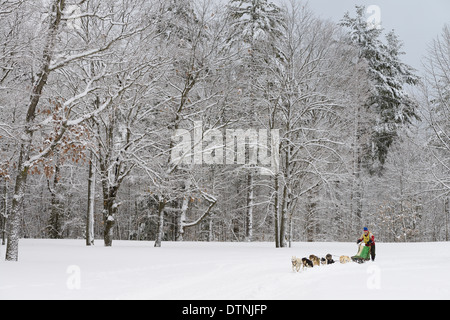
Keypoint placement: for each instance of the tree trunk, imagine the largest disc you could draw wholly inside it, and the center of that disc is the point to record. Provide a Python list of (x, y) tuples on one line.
[(109, 215), (284, 210), (290, 230), (311, 208), (276, 211), (250, 205), (160, 234), (108, 232), (12, 248), (182, 218), (286, 194), (210, 230), (447, 213), (4, 214), (91, 204), (55, 222)]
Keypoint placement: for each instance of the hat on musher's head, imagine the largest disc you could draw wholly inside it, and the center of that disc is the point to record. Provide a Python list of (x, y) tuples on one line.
[(366, 229)]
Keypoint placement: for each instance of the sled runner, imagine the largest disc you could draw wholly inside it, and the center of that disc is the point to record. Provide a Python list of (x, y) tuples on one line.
[(363, 254)]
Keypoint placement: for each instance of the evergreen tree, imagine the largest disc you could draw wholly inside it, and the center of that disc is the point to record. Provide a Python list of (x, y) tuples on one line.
[(255, 20), (388, 75)]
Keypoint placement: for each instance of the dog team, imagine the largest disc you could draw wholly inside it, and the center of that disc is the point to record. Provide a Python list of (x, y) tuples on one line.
[(313, 261), (367, 238)]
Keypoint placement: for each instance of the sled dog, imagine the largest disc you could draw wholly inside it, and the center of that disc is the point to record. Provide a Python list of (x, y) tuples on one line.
[(327, 260), (306, 263), (344, 259), (296, 264), (315, 260)]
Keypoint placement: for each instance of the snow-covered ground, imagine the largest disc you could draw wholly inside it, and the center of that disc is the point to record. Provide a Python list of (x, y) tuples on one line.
[(66, 269)]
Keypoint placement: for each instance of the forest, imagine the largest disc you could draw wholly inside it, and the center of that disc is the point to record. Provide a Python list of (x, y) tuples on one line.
[(92, 93)]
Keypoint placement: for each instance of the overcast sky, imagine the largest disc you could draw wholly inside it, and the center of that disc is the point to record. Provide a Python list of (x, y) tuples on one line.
[(417, 22)]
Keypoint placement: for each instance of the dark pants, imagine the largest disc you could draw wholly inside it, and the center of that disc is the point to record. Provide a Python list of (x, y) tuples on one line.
[(372, 251)]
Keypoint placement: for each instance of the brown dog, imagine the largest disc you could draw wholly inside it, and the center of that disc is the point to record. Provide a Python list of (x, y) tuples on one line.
[(315, 260)]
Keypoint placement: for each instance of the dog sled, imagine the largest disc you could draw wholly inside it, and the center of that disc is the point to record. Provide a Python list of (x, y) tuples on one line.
[(363, 254)]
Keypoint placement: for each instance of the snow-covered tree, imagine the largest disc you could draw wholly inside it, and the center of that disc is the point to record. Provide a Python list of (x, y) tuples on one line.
[(437, 105), (255, 26), (92, 92), (308, 88), (48, 117), (436, 112), (194, 90), (388, 75)]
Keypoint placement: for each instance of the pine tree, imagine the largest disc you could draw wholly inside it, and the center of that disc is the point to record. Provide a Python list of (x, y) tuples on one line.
[(255, 20), (388, 75)]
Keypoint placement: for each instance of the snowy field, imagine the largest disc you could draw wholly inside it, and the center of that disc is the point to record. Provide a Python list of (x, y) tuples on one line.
[(66, 269)]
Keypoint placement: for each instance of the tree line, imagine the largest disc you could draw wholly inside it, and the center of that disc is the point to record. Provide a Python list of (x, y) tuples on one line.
[(91, 93)]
